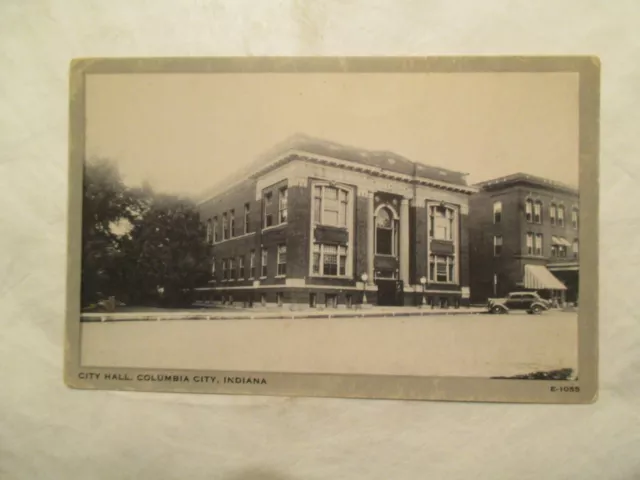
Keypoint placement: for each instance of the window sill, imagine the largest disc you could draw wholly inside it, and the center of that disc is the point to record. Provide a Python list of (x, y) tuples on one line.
[(262, 278), (280, 276), (274, 227), (341, 277), (233, 238)]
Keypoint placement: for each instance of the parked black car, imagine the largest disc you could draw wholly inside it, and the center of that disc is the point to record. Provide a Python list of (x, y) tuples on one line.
[(531, 302)]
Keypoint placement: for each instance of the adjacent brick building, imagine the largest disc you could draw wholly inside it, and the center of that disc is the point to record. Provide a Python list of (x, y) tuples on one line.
[(524, 236), (309, 218)]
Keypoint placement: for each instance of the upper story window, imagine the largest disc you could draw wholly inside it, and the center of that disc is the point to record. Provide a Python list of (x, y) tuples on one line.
[(232, 269), (252, 264), (232, 223), (241, 267), (442, 268), (529, 243), (528, 210), (553, 213), (537, 244), (497, 245), (575, 247), (267, 215), (247, 211), (537, 212), (497, 212), (441, 222), (209, 231), (282, 205), (560, 220), (215, 229), (263, 262), (330, 205), (282, 260), (225, 226), (329, 260), (574, 218), (386, 232)]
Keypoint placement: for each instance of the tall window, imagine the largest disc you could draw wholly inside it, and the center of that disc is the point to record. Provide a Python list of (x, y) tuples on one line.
[(441, 222), (529, 243), (252, 264), (497, 212), (224, 269), (574, 218), (263, 262), (282, 205), (241, 267), (575, 247), (386, 233), (538, 244), (553, 213), (562, 248), (232, 269), (442, 268), (329, 260), (267, 215), (537, 212), (232, 223), (247, 227), (330, 205), (554, 250), (528, 210), (561, 216), (209, 231), (213, 266), (215, 229), (282, 260), (497, 245), (225, 226)]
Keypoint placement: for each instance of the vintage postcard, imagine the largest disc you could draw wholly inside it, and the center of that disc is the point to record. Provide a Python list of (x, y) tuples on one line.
[(400, 228)]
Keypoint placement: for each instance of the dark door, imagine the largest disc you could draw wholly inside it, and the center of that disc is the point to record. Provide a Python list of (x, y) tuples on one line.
[(386, 292), (527, 300), (514, 302), (390, 292)]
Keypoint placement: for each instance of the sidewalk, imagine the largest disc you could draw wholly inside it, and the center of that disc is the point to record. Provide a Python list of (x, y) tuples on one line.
[(292, 312)]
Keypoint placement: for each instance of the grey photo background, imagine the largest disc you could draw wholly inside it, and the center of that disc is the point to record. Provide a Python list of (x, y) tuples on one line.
[(49, 431)]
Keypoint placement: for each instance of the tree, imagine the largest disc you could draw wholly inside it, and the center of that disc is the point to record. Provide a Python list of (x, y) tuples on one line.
[(165, 255), (107, 204)]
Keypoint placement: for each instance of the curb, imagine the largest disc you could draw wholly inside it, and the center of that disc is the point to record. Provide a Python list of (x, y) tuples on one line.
[(161, 318)]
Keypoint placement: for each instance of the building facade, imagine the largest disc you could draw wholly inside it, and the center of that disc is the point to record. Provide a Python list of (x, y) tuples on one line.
[(524, 236), (317, 223)]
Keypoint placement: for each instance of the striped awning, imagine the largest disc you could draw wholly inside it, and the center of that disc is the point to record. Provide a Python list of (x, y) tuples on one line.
[(538, 277), (560, 241)]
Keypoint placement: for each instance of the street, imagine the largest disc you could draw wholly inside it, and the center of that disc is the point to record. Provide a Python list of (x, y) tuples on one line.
[(440, 345)]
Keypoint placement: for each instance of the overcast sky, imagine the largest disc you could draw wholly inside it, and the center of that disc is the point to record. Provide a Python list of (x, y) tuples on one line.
[(185, 132)]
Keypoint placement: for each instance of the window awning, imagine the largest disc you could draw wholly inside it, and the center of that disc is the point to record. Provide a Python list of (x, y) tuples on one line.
[(560, 241), (538, 277)]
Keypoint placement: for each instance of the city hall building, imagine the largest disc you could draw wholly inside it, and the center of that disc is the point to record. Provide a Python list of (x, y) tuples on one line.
[(524, 236), (317, 223)]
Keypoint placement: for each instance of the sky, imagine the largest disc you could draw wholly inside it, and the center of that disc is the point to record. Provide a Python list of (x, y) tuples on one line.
[(184, 133)]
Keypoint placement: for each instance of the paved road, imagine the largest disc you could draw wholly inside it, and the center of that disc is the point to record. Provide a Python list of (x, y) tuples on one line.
[(462, 345)]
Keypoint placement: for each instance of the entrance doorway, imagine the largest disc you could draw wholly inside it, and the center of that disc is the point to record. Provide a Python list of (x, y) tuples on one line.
[(390, 292)]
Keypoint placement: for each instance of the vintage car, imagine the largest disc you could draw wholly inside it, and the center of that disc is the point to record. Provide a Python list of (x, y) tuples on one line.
[(531, 302)]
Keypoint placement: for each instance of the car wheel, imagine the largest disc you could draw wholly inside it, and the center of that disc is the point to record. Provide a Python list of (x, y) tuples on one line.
[(536, 309), (497, 310)]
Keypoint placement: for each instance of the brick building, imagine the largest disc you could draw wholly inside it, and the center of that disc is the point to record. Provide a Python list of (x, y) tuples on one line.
[(524, 236), (309, 218)]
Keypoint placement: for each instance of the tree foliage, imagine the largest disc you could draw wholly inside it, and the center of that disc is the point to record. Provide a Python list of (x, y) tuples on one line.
[(141, 247)]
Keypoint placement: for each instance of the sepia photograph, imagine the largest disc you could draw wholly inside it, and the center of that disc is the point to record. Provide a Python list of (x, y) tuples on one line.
[(380, 228)]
